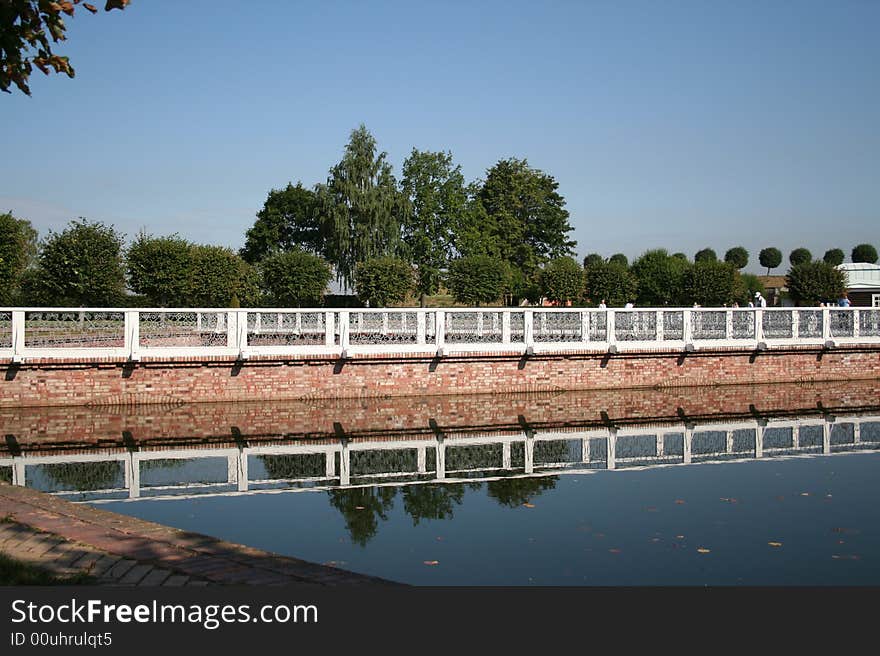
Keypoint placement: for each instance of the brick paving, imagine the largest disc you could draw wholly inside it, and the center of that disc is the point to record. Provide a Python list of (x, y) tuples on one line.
[(66, 539)]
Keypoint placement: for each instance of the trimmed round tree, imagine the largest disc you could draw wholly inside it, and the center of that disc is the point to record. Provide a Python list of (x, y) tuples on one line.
[(864, 253), (611, 282), (158, 269), (705, 255), (737, 256), (477, 279), (680, 256), (770, 257), (811, 283), (562, 280), (660, 277), (834, 256), (619, 258), (383, 280), (800, 256), (710, 284), (593, 258), (218, 277), (295, 278)]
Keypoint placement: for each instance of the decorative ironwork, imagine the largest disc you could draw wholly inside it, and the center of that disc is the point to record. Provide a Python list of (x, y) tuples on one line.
[(74, 329), (383, 327), (183, 329), (842, 323), (5, 329), (778, 324), (673, 325), (556, 327), (809, 323), (869, 323), (475, 457), (384, 461), (635, 326), (477, 327), (286, 328), (709, 324), (743, 324)]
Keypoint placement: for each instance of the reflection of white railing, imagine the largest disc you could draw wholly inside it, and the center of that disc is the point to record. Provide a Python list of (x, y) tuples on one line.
[(102, 332), (443, 457)]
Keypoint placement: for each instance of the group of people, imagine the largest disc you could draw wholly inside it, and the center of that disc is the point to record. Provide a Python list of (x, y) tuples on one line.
[(759, 301)]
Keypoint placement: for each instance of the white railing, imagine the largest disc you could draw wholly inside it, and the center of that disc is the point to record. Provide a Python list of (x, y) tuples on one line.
[(161, 332)]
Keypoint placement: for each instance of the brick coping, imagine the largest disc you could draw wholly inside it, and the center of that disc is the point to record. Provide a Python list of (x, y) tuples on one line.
[(141, 544)]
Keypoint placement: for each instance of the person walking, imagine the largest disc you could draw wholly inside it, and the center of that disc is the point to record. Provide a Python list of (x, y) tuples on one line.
[(843, 301), (760, 301)]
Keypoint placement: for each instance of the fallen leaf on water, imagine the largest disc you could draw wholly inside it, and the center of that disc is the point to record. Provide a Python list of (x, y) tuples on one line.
[(840, 542), (703, 550), (835, 557), (680, 537), (780, 498), (655, 539), (775, 544), (432, 562), (614, 551), (440, 538), (359, 508), (529, 505), (679, 501), (805, 494)]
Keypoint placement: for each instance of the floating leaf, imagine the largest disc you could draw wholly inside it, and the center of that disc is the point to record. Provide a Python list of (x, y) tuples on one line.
[(359, 508), (775, 544), (614, 551), (679, 501), (529, 505), (703, 550), (680, 537), (432, 562), (805, 494)]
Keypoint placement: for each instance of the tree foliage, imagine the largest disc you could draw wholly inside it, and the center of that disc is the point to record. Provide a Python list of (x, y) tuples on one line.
[(737, 256), (705, 255), (611, 282), (81, 266), (661, 277), (864, 253), (438, 200), (217, 276), (592, 259), (619, 258), (28, 28), (159, 269), (289, 219), (383, 280), (360, 206), (834, 256), (800, 256), (477, 279), (749, 284), (562, 280), (295, 278), (711, 283), (18, 248), (680, 256), (770, 257), (811, 283)]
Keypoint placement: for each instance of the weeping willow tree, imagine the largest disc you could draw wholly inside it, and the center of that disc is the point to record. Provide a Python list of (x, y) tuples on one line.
[(361, 207)]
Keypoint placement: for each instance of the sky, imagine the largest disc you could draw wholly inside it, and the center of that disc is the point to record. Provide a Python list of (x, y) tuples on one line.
[(667, 124)]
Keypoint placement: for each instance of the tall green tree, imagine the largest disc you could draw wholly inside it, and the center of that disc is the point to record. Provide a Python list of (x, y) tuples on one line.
[(159, 269), (737, 256), (18, 249), (361, 207), (289, 219), (562, 280), (295, 278), (800, 256), (219, 278), (834, 256), (864, 253), (82, 266), (477, 279), (661, 278), (383, 280), (525, 216), (770, 257), (611, 282), (619, 258), (705, 255), (811, 283), (593, 258), (438, 198), (711, 284)]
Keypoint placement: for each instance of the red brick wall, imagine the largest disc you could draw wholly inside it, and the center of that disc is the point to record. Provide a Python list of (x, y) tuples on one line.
[(39, 383)]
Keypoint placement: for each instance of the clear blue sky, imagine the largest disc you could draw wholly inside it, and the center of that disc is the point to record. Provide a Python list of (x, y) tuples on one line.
[(675, 124)]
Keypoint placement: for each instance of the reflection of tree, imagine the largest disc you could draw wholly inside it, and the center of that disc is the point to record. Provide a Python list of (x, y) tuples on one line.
[(6, 474), (517, 491), (362, 509), (431, 501), (83, 475)]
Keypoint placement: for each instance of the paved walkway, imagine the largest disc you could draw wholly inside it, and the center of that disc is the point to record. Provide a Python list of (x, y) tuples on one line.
[(66, 538)]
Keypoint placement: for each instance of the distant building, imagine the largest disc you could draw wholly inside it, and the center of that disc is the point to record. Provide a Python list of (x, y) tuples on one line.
[(863, 287), (775, 290)]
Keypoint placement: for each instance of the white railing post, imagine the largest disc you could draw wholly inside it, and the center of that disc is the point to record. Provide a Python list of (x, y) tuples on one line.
[(687, 443), (795, 324), (421, 326), (728, 325), (241, 330), (610, 328), (440, 330), (585, 326), (343, 330), (759, 325), (686, 327), (826, 323), (231, 330), (529, 329), (329, 329), (611, 455), (17, 335), (132, 333), (505, 327)]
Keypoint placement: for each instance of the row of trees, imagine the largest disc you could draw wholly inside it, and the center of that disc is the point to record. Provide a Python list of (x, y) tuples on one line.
[(772, 257)]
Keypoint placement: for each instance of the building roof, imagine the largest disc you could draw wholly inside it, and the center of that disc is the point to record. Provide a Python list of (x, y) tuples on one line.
[(861, 275), (772, 282)]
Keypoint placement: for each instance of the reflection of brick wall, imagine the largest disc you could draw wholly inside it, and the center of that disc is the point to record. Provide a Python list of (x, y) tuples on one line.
[(152, 426), (219, 379)]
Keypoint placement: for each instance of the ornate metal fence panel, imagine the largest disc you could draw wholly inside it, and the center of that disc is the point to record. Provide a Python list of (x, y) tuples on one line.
[(517, 326), (869, 323), (598, 326), (842, 323), (478, 327), (743, 324), (673, 325), (182, 329), (74, 329), (286, 328), (382, 327), (635, 326), (709, 324), (5, 329), (809, 323), (557, 327), (778, 324)]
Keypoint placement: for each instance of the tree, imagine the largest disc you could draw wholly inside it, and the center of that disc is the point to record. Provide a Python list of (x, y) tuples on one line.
[(680, 256), (749, 284), (25, 30), (289, 219), (864, 253), (661, 277), (360, 206), (610, 282), (737, 256), (383, 280), (592, 259), (431, 501), (834, 256), (562, 280), (619, 258), (438, 199), (477, 279), (159, 269), (705, 255), (525, 216), (295, 278), (711, 284), (811, 283), (217, 276), (81, 266), (18, 248), (770, 257), (800, 256)]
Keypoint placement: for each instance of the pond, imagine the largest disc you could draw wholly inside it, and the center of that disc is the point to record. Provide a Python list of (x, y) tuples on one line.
[(718, 486)]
